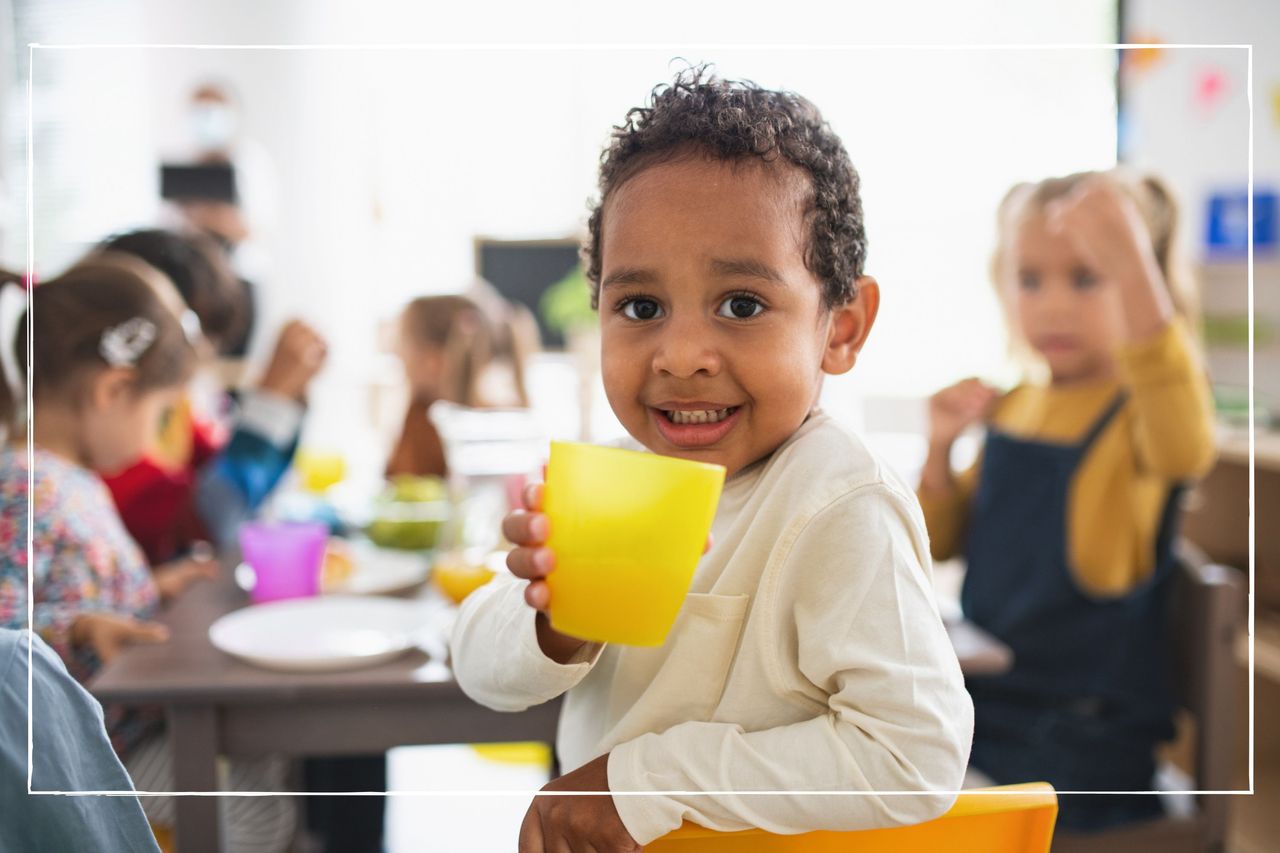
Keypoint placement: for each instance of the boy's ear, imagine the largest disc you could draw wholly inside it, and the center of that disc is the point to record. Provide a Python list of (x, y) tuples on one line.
[(110, 387), (850, 325)]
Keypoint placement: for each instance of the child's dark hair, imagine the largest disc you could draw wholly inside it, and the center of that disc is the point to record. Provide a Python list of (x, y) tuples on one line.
[(69, 318), (198, 268), (734, 121)]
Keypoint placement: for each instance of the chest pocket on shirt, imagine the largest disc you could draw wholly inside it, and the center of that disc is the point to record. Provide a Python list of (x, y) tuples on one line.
[(682, 679)]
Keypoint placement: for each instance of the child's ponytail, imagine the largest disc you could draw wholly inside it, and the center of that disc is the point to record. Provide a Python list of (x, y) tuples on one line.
[(517, 342), (468, 349), (9, 394), (1159, 208)]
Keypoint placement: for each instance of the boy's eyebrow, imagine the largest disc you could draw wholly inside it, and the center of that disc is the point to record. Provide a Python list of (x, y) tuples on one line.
[(628, 275), (747, 267)]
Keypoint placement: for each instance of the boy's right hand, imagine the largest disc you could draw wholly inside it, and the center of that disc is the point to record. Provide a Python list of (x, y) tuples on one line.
[(954, 408), (528, 530), (108, 633)]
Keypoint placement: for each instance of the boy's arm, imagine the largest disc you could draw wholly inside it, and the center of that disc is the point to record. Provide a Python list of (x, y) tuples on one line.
[(495, 653), (1172, 406), (855, 619)]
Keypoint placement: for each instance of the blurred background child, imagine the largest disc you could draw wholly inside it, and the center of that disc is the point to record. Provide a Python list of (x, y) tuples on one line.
[(109, 358), (454, 349), (215, 461), (1067, 520)]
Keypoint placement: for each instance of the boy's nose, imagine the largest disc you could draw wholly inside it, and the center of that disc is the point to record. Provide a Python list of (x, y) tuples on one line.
[(686, 350)]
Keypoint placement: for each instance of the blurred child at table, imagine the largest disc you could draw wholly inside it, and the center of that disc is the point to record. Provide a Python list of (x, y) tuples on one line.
[(726, 255), (454, 349), (1067, 519), (207, 470), (109, 356)]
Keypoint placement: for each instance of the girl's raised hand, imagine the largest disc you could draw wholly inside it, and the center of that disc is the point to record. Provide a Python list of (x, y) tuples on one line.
[(299, 354), (955, 407), (1107, 231), (108, 633), (1104, 226)]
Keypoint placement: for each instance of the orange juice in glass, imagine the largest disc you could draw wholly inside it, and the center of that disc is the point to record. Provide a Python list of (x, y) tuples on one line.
[(458, 574)]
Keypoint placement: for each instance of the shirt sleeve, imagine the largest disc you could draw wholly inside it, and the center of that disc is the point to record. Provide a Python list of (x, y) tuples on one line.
[(67, 586), (240, 477), (856, 618), (70, 752), (276, 419), (1171, 403), (496, 657), (946, 515)]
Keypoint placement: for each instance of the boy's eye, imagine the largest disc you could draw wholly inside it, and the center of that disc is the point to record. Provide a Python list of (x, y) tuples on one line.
[(1083, 279), (640, 308), (1028, 280), (740, 307)]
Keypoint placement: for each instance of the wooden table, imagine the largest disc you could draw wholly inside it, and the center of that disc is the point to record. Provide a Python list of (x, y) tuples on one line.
[(979, 653), (217, 705)]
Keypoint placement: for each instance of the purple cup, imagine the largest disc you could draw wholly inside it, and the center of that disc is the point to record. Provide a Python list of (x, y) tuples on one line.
[(285, 558)]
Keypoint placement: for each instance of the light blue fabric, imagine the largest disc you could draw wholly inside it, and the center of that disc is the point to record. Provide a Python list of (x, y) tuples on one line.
[(70, 752)]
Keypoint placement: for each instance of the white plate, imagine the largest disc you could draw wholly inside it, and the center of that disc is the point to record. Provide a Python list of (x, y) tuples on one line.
[(320, 634), (380, 570)]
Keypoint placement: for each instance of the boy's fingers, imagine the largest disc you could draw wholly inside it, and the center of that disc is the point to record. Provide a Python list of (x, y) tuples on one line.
[(530, 563), (526, 528), (533, 497), (537, 596), (531, 832), (515, 527)]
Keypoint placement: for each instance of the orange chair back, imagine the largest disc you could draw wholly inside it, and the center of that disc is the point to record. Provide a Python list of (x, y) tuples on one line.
[(1005, 819)]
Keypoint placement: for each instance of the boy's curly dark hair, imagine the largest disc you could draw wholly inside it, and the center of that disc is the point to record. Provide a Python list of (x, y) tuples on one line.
[(735, 120)]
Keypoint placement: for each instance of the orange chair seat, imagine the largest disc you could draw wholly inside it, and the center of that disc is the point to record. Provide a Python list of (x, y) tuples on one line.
[(1005, 819)]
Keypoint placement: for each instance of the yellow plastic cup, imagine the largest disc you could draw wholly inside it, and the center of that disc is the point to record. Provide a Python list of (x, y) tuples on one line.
[(320, 469), (627, 530)]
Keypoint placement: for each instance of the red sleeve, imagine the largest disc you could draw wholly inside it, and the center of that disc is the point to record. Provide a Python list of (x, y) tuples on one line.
[(206, 440), (157, 508)]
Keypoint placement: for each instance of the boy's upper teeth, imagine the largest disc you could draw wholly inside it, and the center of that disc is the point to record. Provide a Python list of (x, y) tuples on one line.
[(701, 416)]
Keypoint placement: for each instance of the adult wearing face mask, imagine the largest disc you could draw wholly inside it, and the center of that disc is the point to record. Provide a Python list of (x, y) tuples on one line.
[(216, 133)]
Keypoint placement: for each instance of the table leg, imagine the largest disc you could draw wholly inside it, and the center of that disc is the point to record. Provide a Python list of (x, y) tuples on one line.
[(193, 737)]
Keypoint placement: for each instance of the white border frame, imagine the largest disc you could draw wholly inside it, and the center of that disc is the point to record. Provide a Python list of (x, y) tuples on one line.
[(566, 47)]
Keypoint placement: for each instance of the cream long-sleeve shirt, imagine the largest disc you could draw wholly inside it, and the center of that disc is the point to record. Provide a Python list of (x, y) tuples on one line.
[(808, 656)]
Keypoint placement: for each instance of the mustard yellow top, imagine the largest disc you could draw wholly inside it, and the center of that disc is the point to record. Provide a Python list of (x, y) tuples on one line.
[(1162, 435)]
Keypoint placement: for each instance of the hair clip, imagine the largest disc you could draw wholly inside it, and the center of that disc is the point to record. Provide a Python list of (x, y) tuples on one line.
[(191, 327), (123, 344)]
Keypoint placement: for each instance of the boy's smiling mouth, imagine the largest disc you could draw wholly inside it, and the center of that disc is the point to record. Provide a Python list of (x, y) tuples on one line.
[(695, 424)]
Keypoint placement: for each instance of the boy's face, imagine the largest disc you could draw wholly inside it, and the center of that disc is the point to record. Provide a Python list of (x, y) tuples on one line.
[(714, 335)]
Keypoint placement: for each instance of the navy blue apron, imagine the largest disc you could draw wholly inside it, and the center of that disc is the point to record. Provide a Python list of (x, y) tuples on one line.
[(1090, 693)]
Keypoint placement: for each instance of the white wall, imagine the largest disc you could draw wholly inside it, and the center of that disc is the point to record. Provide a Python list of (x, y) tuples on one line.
[(1202, 148), (389, 163)]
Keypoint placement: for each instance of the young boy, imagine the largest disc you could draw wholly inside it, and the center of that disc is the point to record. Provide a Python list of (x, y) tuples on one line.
[(726, 256)]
